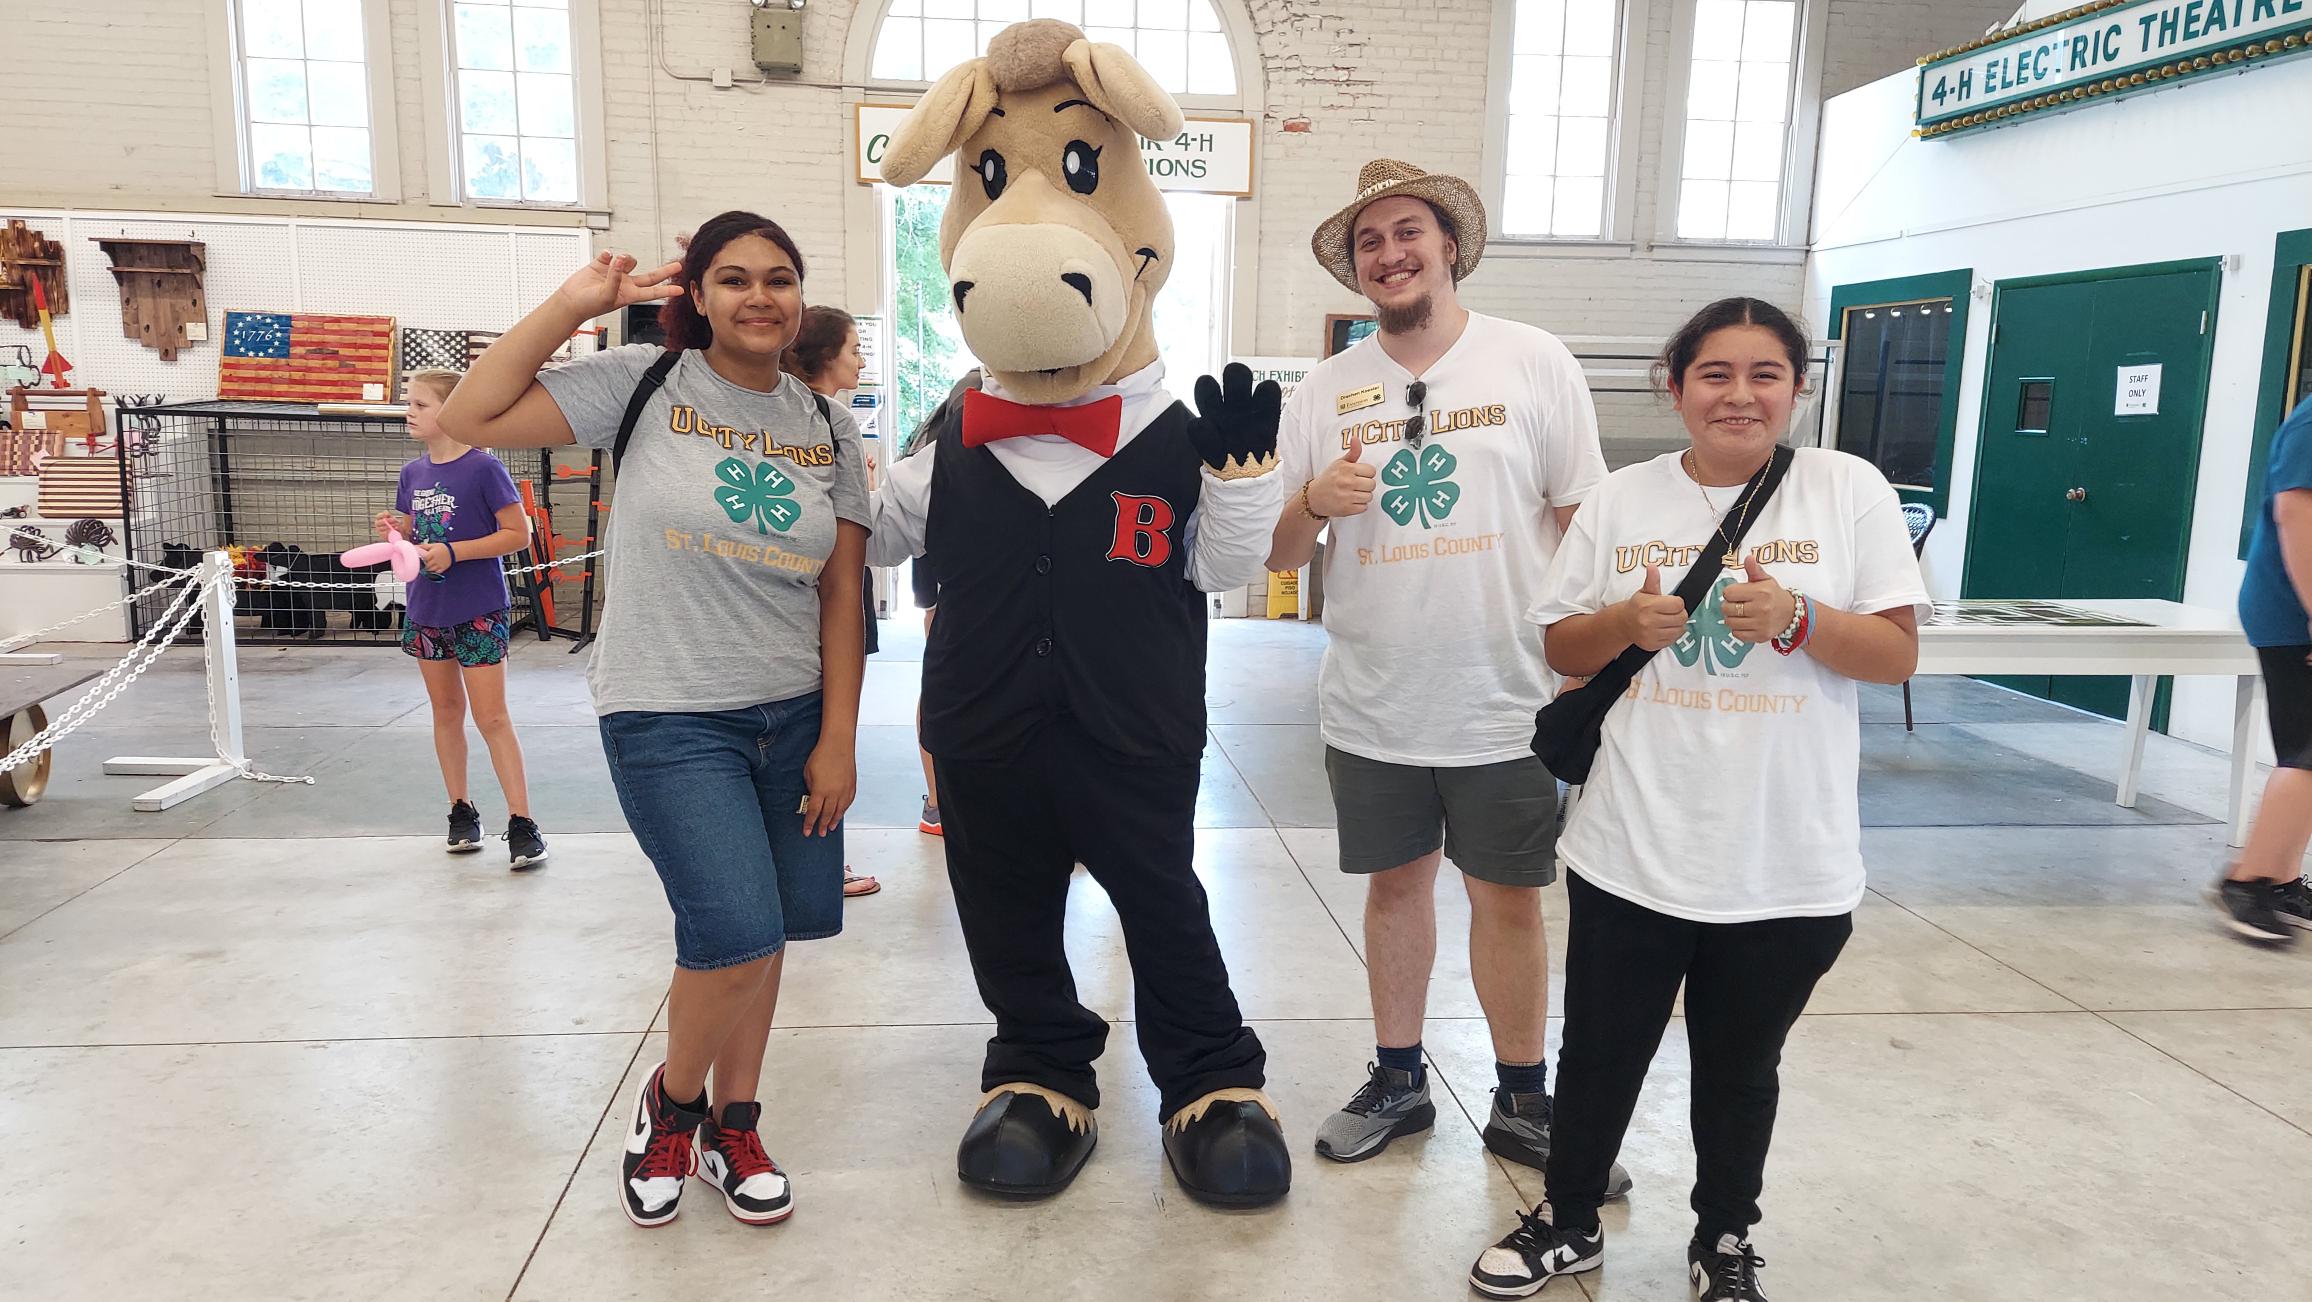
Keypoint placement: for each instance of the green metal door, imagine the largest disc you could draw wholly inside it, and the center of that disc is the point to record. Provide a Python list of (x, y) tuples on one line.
[(2091, 441)]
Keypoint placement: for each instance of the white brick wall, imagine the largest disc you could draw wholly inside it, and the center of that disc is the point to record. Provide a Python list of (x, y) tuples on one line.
[(1368, 77)]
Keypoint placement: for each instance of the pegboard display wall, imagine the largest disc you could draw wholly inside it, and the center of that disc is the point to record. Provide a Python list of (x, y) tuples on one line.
[(424, 274)]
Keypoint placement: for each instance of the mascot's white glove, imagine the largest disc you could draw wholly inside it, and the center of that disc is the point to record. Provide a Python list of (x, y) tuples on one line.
[(1235, 427)]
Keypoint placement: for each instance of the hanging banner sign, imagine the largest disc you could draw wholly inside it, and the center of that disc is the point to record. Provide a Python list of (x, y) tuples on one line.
[(1209, 156), (2102, 50)]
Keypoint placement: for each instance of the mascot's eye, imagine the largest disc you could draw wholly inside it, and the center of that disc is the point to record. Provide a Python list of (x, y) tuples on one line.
[(1082, 163), (991, 174)]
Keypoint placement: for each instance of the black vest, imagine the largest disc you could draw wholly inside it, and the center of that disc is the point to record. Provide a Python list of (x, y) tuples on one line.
[(1081, 610)]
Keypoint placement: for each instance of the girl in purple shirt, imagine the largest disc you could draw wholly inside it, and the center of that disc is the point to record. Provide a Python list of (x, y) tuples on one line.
[(459, 506)]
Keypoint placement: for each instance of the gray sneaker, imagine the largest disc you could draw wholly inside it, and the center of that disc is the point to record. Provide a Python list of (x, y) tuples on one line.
[(1519, 1131), (1389, 1105)]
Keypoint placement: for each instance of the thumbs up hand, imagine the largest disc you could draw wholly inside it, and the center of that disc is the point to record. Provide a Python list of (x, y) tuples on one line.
[(1757, 609), (1346, 486), (1651, 619)]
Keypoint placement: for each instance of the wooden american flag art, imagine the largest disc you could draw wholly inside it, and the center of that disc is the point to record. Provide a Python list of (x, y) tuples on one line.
[(305, 357)]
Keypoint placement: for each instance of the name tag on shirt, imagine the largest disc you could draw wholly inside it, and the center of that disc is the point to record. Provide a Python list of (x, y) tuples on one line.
[(1359, 399)]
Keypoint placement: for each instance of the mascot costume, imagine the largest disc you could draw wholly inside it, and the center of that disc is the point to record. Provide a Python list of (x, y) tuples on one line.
[(1077, 515)]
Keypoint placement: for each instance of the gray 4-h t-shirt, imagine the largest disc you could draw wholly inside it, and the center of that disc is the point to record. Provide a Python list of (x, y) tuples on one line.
[(723, 516)]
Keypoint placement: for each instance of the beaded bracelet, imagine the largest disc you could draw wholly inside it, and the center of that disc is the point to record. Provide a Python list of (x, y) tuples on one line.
[(1306, 509), (1801, 629)]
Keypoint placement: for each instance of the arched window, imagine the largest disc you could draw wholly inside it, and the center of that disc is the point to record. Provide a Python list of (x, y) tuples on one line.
[(1181, 42)]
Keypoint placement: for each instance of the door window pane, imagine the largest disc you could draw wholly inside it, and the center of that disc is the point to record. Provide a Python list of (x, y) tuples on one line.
[(2035, 406), (1891, 396)]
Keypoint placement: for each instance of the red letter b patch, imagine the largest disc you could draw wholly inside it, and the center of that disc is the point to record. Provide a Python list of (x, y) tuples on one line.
[(1141, 525)]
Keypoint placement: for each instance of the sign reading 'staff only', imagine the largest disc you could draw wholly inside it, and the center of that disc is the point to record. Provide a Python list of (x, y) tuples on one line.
[(2115, 47)]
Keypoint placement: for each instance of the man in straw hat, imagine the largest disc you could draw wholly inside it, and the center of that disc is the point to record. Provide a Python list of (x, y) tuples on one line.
[(1446, 453)]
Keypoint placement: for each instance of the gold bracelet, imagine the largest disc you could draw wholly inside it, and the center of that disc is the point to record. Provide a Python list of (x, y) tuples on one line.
[(1308, 510)]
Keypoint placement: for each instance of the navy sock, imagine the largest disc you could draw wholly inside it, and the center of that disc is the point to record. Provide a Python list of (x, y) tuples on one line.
[(1407, 1059), (1522, 1078)]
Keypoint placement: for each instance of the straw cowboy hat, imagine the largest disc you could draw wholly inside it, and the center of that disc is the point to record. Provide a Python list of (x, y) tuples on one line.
[(1384, 177)]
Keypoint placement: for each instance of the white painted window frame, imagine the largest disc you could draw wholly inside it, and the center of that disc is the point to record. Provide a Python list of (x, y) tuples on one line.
[(231, 128), (1621, 144), (1789, 243), (437, 80)]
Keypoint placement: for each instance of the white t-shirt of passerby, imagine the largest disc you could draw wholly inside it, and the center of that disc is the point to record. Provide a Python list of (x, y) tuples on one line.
[(1428, 661), (1725, 786)]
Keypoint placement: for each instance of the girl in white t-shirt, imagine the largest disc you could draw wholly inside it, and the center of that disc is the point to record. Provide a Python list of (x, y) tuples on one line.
[(1717, 845)]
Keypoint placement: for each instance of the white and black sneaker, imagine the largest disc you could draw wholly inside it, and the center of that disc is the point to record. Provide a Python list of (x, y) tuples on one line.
[(2293, 902), (1388, 1106), (660, 1153), (731, 1156), (524, 847), (1533, 1254), (1725, 1273), (2253, 909), (465, 828)]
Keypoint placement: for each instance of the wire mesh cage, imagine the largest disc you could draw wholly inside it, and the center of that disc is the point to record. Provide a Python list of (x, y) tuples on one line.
[(284, 488)]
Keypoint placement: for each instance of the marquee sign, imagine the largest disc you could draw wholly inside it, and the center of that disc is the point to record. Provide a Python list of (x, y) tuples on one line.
[(2102, 50)]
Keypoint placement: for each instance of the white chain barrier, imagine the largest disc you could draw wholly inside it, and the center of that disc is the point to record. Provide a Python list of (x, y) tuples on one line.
[(173, 621), (111, 684), (147, 566)]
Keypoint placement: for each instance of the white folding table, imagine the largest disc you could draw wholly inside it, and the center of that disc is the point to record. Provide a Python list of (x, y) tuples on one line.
[(2161, 638)]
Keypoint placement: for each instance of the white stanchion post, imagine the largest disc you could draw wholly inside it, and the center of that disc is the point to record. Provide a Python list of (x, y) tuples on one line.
[(194, 776)]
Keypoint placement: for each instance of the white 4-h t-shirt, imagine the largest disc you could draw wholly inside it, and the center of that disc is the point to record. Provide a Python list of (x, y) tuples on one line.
[(1427, 660), (1725, 788)]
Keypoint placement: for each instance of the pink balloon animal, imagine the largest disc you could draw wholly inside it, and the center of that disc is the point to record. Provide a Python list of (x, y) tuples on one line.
[(402, 552)]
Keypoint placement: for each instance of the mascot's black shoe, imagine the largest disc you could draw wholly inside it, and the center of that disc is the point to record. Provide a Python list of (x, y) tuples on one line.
[(1227, 1149), (1025, 1142)]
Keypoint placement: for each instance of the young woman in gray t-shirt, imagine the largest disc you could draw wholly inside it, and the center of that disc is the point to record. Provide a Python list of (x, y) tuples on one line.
[(727, 670)]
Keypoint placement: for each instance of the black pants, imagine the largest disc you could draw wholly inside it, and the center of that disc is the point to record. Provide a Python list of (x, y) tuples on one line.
[(1746, 983), (1014, 833)]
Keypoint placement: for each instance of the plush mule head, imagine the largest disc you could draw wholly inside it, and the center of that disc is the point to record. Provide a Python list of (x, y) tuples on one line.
[(1056, 240)]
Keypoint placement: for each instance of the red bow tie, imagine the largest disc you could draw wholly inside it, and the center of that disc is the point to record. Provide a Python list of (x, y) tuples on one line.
[(1092, 426)]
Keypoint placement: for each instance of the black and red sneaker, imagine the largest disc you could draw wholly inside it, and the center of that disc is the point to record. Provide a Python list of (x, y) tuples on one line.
[(659, 1154), (731, 1156)]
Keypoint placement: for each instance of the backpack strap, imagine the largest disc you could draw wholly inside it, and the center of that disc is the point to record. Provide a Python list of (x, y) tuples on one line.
[(651, 380), (827, 414)]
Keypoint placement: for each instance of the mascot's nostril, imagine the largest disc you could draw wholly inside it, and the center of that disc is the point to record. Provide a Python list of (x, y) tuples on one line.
[(962, 287), (1076, 280)]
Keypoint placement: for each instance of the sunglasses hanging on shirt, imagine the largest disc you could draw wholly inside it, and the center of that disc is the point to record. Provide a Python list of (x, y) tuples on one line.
[(1417, 428)]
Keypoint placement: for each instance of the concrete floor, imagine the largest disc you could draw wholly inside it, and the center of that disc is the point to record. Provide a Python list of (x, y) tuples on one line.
[(274, 1044)]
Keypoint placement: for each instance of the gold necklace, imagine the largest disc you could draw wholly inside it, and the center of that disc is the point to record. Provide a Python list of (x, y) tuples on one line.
[(1731, 560)]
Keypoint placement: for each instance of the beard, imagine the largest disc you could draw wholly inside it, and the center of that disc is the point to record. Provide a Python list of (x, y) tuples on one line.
[(1407, 318)]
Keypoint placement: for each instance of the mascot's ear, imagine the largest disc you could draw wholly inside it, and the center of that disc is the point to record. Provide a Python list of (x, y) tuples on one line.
[(940, 122), (1119, 87)]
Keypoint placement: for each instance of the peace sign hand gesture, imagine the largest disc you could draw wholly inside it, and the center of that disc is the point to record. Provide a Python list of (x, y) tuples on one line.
[(611, 282)]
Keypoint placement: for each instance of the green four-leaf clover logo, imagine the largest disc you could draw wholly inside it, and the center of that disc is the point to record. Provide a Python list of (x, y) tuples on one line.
[(1707, 640), (762, 495), (1420, 485)]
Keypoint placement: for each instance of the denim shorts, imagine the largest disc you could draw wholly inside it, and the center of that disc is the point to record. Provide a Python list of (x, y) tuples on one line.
[(713, 799)]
